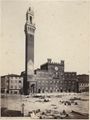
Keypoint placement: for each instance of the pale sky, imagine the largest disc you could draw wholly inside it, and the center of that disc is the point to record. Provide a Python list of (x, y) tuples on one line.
[(62, 33)]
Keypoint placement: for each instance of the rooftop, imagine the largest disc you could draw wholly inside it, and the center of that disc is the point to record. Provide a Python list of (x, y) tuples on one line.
[(11, 75)]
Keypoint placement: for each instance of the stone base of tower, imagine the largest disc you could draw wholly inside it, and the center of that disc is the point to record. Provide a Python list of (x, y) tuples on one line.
[(32, 85)]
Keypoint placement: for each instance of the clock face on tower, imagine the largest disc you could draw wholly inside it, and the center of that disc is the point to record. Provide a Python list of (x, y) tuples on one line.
[(56, 68)]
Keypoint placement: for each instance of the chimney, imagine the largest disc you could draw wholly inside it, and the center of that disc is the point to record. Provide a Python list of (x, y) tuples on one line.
[(62, 62), (49, 60)]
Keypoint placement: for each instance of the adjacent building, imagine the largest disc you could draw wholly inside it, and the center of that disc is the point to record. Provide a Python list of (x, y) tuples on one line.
[(70, 82), (83, 81), (12, 84)]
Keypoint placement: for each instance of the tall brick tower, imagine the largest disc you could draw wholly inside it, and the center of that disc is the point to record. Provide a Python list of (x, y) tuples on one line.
[(29, 52)]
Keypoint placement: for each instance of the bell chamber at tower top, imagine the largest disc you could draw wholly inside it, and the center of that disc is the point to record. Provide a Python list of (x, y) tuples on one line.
[(29, 26), (29, 16)]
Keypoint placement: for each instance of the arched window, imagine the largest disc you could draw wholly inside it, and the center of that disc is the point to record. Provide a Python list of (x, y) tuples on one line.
[(30, 19)]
